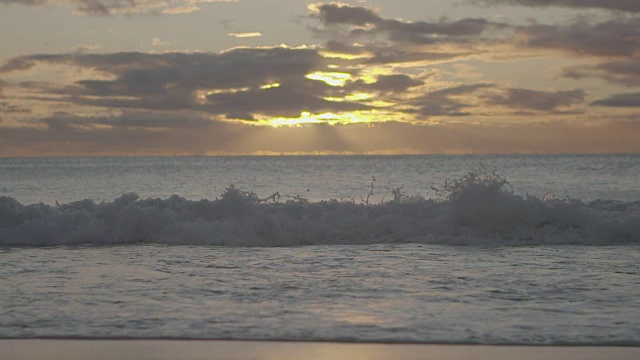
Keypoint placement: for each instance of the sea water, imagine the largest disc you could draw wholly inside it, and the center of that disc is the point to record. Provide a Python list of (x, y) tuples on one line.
[(535, 249)]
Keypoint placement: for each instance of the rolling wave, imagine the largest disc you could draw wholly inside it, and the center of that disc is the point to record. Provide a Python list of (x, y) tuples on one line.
[(473, 210)]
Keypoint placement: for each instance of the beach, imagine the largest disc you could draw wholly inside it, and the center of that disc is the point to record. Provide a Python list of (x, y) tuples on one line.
[(43, 349)]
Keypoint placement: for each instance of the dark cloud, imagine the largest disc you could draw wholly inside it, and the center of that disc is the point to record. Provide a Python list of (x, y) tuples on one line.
[(408, 57), (181, 103), (365, 22), (616, 37), (549, 137), (231, 83), (447, 102), (334, 13), (425, 32), (524, 99), (387, 84), (128, 119), (110, 7), (339, 47), (620, 100), (422, 41), (625, 71), (227, 138), (285, 101), (150, 133), (395, 83), (621, 5), (26, 2), (155, 133), (460, 90), (390, 41), (149, 72), (108, 63), (7, 107)]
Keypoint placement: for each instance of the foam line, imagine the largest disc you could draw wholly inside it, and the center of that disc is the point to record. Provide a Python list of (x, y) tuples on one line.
[(475, 210)]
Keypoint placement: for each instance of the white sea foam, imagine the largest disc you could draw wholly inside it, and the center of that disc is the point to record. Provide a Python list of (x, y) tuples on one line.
[(474, 210)]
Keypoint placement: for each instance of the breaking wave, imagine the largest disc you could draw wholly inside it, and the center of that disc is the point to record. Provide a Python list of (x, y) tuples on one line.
[(477, 209)]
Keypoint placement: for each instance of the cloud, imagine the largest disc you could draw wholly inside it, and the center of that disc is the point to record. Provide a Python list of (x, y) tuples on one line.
[(388, 41), (150, 72), (339, 47), (616, 37), (159, 42), (620, 100), (245, 34), (365, 21), (7, 107), (228, 138), (83, 48), (112, 7), (386, 72), (625, 71), (128, 132), (337, 13), (448, 102), (619, 5), (544, 137), (240, 83), (281, 101), (289, 85), (408, 43), (127, 119), (616, 42), (549, 101), (378, 74), (395, 83), (258, 84)]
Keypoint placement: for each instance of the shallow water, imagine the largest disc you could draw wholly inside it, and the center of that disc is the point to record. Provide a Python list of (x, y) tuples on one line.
[(395, 293)]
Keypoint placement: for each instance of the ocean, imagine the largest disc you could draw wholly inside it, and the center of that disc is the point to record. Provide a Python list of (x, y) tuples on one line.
[(465, 249)]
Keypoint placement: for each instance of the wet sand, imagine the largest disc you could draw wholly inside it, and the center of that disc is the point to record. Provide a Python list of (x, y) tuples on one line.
[(67, 349)]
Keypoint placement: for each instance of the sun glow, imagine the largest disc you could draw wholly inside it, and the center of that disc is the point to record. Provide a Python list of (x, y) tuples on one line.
[(345, 56), (201, 95), (330, 78), (350, 97), (245, 34), (358, 96), (370, 74), (270, 86), (330, 118)]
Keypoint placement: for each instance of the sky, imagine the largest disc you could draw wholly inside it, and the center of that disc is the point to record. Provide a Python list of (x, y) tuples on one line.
[(269, 77)]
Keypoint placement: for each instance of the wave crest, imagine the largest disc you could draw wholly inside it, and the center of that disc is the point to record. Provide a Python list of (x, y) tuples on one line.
[(474, 210)]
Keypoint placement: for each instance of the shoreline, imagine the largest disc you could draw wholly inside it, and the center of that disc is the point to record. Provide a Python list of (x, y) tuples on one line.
[(612, 344), (165, 349)]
